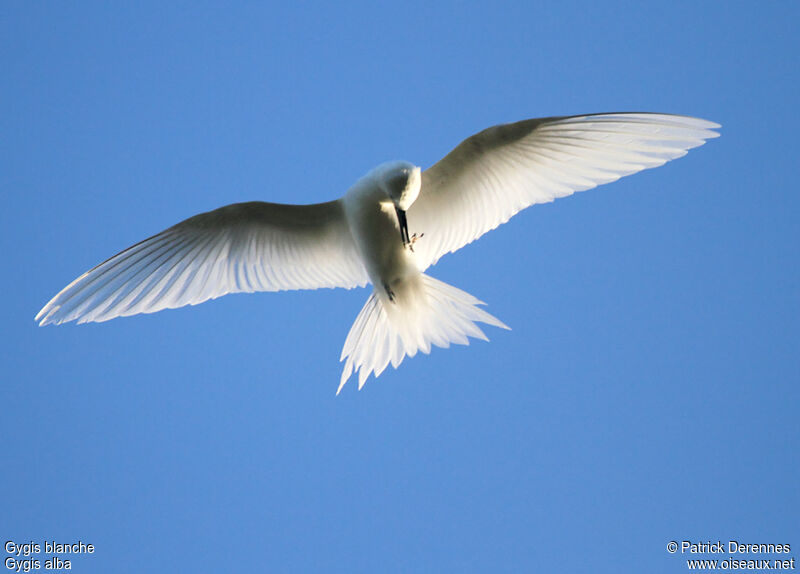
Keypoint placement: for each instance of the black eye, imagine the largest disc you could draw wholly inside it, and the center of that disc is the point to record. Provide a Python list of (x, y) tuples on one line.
[(399, 182)]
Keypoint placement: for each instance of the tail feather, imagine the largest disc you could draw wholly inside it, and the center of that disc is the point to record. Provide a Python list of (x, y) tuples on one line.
[(429, 312)]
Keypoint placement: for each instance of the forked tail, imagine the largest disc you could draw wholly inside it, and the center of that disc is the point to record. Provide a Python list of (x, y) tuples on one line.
[(426, 312)]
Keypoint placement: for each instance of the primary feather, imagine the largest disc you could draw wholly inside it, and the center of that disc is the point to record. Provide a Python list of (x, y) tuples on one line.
[(494, 174), (238, 248)]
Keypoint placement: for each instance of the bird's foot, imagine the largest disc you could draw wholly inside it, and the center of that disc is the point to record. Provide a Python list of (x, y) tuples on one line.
[(389, 292), (414, 238)]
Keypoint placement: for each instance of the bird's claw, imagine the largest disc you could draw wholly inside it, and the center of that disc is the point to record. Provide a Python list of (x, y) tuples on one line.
[(389, 292), (414, 238)]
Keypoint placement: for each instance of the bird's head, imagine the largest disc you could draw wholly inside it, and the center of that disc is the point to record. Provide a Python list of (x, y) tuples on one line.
[(401, 181)]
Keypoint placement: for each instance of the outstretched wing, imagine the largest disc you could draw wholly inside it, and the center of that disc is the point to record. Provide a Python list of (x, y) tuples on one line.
[(500, 171), (243, 247)]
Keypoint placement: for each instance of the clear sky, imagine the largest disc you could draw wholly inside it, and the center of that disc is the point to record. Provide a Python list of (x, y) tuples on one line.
[(648, 391)]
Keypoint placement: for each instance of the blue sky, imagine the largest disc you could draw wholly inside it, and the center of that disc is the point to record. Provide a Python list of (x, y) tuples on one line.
[(648, 391)]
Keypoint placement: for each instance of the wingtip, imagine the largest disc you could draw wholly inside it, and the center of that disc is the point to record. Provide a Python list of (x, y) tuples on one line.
[(42, 318), (708, 124)]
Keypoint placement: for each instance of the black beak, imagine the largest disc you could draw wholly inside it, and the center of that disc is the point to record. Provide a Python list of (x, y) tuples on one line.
[(401, 218)]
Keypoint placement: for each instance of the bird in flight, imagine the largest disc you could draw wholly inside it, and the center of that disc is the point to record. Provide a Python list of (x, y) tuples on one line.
[(390, 226)]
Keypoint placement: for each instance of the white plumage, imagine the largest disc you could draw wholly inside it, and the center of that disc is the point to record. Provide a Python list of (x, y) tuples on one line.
[(239, 248), (389, 227)]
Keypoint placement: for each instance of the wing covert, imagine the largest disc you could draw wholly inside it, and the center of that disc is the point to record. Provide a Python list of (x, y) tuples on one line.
[(494, 174), (243, 247)]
